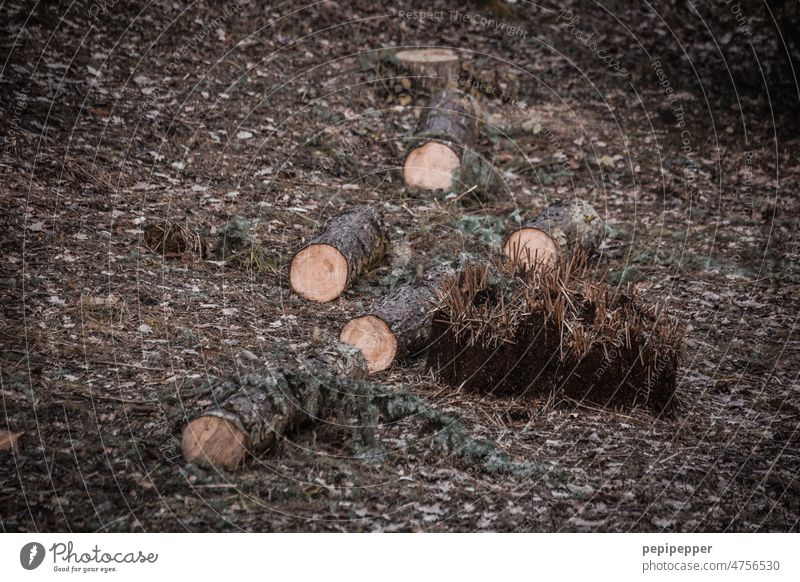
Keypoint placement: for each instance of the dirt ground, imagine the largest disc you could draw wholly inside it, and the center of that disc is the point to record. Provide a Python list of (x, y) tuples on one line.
[(679, 125)]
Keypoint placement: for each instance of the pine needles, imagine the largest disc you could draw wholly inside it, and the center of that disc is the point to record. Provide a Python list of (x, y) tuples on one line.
[(553, 331)]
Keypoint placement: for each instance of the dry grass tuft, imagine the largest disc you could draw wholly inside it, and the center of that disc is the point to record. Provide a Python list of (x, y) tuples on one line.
[(173, 240)]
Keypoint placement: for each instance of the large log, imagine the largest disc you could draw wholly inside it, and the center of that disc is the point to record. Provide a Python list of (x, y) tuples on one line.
[(258, 409), (562, 228), (448, 127), (348, 245), (397, 326)]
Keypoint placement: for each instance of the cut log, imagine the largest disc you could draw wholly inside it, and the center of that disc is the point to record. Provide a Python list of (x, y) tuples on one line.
[(562, 228), (397, 326), (430, 68), (258, 409), (348, 245), (448, 127)]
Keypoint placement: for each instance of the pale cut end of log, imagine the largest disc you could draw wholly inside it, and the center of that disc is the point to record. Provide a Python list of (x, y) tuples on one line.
[(9, 440), (319, 273), (448, 126), (215, 441), (348, 245), (374, 338), (564, 227), (431, 167), (530, 246)]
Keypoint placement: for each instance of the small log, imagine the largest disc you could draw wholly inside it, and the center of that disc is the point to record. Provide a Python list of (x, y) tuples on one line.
[(258, 409), (397, 326), (348, 245), (562, 228), (430, 68), (448, 127)]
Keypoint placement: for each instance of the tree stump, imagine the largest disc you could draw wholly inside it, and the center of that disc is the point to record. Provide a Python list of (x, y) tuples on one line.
[(347, 246), (429, 68), (562, 228), (448, 126)]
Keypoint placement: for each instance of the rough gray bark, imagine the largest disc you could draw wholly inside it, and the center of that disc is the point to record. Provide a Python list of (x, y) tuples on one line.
[(267, 404), (451, 117), (359, 234), (407, 311)]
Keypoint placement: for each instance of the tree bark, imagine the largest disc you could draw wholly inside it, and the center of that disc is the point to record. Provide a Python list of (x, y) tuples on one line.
[(562, 228), (448, 127), (397, 326), (258, 409), (348, 245)]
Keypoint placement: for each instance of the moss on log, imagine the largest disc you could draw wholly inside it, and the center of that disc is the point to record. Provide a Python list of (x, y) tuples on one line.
[(562, 228), (256, 410), (448, 127)]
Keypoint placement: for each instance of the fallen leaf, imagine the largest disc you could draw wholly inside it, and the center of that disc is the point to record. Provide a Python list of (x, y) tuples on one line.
[(9, 440)]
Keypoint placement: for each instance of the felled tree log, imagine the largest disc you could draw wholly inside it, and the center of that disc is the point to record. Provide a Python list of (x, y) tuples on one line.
[(562, 228), (429, 68), (553, 333), (348, 245), (397, 326), (448, 127), (258, 409)]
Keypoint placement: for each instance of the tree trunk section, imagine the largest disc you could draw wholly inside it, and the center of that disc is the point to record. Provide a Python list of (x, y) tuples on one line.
[(448, 127), (429, 69), (348, 245), (397, 326), (562, 228), (258, 409)]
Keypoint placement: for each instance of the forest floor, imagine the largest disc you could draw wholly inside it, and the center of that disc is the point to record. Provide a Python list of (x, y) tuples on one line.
[(117, 115)]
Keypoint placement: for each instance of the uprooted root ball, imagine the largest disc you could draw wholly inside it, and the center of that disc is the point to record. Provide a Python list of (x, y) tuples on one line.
[(553, 332)]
